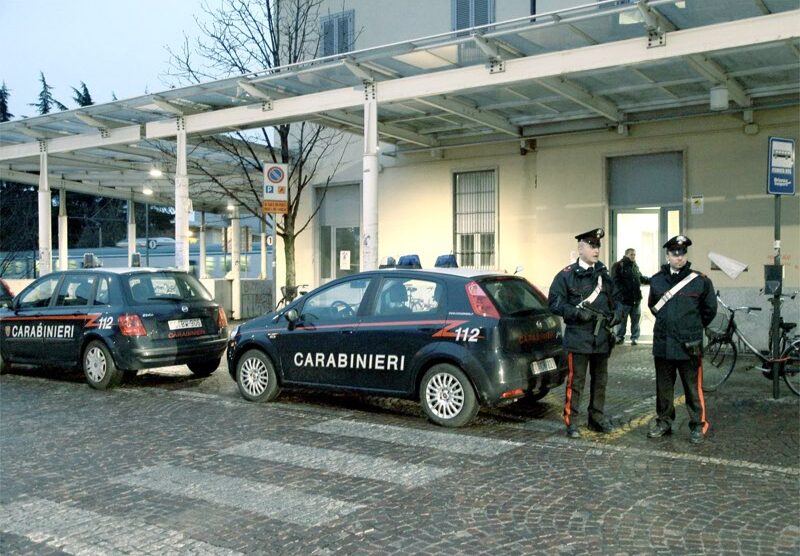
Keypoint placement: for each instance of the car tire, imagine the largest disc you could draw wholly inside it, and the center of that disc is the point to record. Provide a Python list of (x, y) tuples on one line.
[(203, 368), (256, 378), (98, 366), (152, 244), (4, 365), (447, 396)]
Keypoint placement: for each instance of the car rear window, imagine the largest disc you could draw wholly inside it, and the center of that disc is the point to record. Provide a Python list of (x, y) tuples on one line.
[(166, 286), (514, 296)]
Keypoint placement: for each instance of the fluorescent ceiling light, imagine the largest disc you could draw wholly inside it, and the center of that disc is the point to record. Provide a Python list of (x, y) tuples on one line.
[(147, 191), (156, 172)]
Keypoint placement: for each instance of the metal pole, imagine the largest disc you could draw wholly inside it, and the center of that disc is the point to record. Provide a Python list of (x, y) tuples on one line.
[(147, 234), (776, 305)]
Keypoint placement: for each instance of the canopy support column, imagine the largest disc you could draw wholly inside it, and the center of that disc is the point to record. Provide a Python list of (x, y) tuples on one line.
[(181, 200), (369, 186), (45, 203), (236, 274), (201, 268), (63, 231), (131, 231)]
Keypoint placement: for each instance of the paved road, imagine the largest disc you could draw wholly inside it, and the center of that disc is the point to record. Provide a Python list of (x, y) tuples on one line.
[(169, 464)]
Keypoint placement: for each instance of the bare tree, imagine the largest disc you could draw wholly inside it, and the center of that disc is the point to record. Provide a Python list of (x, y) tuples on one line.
[(240, 37)]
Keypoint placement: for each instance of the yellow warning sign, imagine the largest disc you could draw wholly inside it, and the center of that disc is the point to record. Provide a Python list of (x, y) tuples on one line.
[(274, 207)]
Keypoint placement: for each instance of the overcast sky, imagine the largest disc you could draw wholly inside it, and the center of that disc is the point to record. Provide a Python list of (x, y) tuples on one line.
[(111, 45)]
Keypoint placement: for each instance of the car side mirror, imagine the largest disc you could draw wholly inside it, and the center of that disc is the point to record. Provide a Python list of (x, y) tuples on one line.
[(292, 316)]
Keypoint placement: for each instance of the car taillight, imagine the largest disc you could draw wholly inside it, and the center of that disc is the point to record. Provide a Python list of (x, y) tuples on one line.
[(131, 325), (481, 304), (222, 320)]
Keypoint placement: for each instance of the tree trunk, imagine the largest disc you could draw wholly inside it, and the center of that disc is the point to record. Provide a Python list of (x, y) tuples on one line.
[(288, 251)]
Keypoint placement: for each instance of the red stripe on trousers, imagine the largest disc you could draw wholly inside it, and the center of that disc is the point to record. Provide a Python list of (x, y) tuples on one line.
[(568, 407)]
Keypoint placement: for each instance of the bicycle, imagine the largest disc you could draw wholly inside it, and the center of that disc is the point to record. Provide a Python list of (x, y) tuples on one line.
[(721, 352), (289, 293)]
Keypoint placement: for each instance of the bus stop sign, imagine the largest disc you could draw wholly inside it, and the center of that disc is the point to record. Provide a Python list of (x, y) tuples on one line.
[(780, 179)]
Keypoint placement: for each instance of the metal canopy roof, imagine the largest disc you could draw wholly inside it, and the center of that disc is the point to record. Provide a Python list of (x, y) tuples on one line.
[(597, 66)]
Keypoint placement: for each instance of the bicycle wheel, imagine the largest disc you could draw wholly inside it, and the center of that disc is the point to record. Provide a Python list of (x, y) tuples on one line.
[(791, 368), (718, 363)]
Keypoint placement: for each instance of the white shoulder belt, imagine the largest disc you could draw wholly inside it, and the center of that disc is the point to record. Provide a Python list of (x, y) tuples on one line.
[(675, 289)]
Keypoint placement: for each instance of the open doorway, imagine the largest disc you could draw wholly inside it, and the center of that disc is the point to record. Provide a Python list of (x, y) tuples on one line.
[(646, 200)]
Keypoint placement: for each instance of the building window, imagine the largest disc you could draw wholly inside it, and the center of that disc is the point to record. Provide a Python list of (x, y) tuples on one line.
[(475, 219), (337, 33), (472, 13)]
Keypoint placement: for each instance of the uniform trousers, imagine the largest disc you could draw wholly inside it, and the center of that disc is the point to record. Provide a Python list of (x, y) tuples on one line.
[(597, 364), (691, 373)]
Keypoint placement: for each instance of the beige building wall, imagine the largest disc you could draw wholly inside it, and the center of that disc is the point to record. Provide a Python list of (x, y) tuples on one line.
[(547, 196)]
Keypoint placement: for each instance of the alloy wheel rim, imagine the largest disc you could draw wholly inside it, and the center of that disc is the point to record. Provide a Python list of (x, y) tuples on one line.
[(255, 378), (445, 395), (96, 364)]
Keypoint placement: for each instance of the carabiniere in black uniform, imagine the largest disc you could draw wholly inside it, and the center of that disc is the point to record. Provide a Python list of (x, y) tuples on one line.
[(587, 344), (678, 339)]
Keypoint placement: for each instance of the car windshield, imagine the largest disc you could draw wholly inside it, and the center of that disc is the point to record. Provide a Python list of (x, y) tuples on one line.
[(514, 296), (166, 287)]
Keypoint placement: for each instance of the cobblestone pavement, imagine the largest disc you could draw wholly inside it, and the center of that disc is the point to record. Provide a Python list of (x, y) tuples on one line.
[(170, 464)]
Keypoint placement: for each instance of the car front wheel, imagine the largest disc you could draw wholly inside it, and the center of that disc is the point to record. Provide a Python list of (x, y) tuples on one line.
[(98, 366), (256, 377), (447, 396)]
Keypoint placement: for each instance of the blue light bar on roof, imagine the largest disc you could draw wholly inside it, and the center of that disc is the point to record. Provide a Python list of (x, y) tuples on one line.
[(388, 262), (409, 261), (446, 261)]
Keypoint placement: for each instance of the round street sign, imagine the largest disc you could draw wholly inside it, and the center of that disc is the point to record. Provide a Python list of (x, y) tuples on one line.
[(275, 174)]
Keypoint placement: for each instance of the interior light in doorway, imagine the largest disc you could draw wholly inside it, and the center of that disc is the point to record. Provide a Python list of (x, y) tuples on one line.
[(231, 207)]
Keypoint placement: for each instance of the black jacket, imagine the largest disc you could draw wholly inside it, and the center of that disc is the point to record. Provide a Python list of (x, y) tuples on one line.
[(628, 280), (683, 318), (571, 286)]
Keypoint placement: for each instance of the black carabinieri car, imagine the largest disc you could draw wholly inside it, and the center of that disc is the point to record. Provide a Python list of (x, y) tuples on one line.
[(453, 338), (113, 322)]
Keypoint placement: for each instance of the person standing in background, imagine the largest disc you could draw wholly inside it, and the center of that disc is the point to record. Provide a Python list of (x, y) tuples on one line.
[(628, 281)]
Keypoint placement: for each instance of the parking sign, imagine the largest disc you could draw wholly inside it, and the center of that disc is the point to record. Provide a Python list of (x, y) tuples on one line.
[(780, 179), (275, 198)]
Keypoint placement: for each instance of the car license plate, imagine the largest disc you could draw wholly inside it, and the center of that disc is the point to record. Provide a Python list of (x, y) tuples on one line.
[(184, 324), (538, 367)]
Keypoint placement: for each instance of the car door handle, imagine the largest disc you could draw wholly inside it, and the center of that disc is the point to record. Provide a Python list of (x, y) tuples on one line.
[(348, 331)]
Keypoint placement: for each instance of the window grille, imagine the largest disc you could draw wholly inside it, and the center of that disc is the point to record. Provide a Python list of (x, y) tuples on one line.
[(475, 219), (337, 32), (467, 14)]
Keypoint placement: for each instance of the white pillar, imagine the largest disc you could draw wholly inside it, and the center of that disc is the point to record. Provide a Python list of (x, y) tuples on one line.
[(131, 231), (181, 201), (263, 243), (236, 274), (45, 204), (63, 231), (201, 269), (369, 186)]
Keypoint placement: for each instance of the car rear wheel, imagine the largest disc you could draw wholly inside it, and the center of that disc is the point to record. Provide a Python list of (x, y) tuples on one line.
[(98, 366), (447, 396), (203, 368), (256, 377)]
